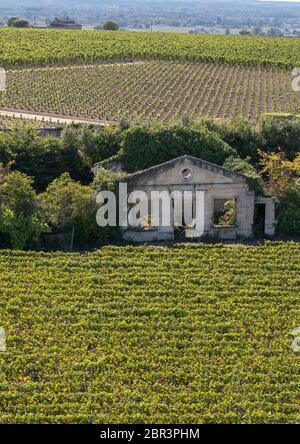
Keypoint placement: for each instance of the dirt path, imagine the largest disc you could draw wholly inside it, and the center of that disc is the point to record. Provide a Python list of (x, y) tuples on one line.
[(75, 66), (51, 118)]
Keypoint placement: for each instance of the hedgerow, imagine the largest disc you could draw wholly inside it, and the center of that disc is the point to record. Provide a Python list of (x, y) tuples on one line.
[(144, 147), (191, 334)]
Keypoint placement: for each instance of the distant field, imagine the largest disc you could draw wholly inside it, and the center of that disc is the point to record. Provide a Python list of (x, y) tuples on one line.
[(186, 29), (38, 46), (192, 334), (150, 91)]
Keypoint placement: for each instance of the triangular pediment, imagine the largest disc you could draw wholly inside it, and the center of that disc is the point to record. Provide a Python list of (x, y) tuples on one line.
[(186, 169)]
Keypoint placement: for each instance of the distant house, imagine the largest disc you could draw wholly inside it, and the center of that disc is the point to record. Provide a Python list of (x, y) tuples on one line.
[(64, 23)]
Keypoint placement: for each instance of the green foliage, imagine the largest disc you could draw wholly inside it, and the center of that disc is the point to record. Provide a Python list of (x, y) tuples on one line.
[(20, 222), (144, 146), (254, 180), (281, 133), (19, 138), (107, 179), (241, 134), (73, 159), (44, 159), (71, 208), (227, 215), (100, 143), (288, 211), (109, 25), (11, 21), (37, 46), (134, 148), (283, 181), (191, 334), (18, 22), (35, 156)]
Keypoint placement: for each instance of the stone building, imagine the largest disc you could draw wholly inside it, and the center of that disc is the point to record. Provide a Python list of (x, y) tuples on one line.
[(222, 189), (64, 23)]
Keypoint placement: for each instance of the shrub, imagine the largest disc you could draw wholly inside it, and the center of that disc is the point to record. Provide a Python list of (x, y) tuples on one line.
[(106, 179), (288, 212), (283, 181), (281, 133), (71, 208), (44, 159), (254, 180), (144, 147), (72, 157), (240, 134), (100, 143), (18, 22), (109, 25), (21, 224)]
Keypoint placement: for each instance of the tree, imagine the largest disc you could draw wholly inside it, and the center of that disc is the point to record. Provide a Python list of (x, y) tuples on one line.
[(40, 158), (21, 223), (281, 134), (280, 172), (71, 208), (283, 182), (18, 22), (109, 25), (240, 134), (100, 143), (107, 179), (73, 158), (11, 21), (4, 170), (144, 147)]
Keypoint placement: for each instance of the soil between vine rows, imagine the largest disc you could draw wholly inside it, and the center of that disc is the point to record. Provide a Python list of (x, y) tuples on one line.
[(162, 91)]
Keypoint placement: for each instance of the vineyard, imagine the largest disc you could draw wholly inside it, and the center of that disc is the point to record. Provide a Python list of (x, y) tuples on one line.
[(190, 334), (19, 47), (150, 91)]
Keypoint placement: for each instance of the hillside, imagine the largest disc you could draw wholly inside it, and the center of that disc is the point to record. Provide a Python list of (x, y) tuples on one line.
[(147, 77), (37, 46), (150, 91), (191, 334)]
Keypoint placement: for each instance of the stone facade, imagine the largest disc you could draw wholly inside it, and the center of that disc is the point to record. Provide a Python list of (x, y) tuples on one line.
[(219, 184)]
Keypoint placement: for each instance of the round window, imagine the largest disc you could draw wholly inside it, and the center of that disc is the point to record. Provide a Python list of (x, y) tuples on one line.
[(186, 173)]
